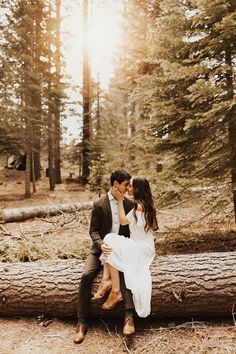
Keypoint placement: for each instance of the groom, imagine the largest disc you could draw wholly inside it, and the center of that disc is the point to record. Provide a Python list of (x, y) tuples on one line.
[(104, 219)]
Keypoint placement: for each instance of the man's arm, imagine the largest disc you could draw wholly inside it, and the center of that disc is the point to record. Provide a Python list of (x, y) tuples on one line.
[(94, 231), (95, 226)]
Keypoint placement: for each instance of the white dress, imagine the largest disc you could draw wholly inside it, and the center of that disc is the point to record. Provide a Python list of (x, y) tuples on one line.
[(133, 257)]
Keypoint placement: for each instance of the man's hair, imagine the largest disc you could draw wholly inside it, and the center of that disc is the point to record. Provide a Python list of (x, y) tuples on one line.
[(119, 176)]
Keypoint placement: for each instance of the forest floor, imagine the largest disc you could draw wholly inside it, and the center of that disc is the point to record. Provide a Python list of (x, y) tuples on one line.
[(191, 224)]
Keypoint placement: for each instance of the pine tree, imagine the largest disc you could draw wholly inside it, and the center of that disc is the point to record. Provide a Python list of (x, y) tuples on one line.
[(213, 94), (86, 99), (58, 96), (189, 88), (125, 115), (30, 82)]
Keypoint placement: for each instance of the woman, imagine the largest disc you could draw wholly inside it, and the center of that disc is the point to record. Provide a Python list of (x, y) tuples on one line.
[(133, 255)]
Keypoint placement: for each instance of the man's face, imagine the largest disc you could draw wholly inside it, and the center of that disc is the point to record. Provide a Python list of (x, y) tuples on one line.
[(123, 186)]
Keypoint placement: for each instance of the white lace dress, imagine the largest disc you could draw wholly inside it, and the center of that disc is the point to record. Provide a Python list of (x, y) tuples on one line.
[(133, 257)]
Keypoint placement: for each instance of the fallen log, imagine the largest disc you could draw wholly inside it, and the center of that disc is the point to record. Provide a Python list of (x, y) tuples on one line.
[(20, 214), (202, 285), (187, 243)]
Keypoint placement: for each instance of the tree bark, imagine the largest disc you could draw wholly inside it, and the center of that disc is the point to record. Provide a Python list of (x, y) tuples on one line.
[(50, 112), (231, 117), (86, 99), (27, 168), (190, 286), (57, 125), (20, 214), (51, 170), (37, 89)]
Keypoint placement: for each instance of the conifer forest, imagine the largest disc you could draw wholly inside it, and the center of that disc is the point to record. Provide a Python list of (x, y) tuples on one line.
[(91, 86)]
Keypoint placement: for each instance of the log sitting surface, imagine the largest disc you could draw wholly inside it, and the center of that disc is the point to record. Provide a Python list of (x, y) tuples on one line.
[(200, 285)]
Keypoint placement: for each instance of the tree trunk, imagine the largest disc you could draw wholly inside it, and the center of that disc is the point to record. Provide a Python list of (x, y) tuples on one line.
[(50, 113), (32, 172), (37, 90), (50, 152), (20, 214), (86, 99), (231, 118), (57, 149), (190, 286), (27, 172), (57, 126)]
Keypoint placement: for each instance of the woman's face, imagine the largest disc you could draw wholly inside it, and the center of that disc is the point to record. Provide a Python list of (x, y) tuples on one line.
[(130, 188)]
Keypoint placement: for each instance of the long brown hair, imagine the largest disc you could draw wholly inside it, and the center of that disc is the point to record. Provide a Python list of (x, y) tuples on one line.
[(143, 196)]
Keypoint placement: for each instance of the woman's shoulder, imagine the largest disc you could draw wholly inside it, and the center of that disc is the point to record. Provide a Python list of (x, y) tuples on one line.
[(139, 208)]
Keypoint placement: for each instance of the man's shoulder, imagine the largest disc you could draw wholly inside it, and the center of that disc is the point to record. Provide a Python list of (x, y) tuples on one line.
[(100, 201)]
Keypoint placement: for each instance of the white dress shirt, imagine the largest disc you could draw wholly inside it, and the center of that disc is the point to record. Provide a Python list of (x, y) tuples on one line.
[(114, 213)]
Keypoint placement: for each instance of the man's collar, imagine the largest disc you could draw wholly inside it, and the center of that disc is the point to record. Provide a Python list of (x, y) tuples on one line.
[(110, 196)]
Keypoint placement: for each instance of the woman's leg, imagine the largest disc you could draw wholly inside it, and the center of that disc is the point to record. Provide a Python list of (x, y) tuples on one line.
[(115, 278), (106, 272), (115, 295), (105, 283)]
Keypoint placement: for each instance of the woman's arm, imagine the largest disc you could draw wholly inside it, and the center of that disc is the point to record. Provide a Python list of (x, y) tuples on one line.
[(119, 196), (123, 218)]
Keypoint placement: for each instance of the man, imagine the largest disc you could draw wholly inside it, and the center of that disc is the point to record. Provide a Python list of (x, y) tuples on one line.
[(104, 219)]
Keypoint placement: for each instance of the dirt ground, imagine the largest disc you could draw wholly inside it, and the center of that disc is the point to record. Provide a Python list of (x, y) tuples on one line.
[(26, 336), (51, 238)]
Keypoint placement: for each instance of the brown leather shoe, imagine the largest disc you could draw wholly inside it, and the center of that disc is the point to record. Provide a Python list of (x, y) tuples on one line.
[(112, 300), (129, 326), (102, 290), (80, 333)]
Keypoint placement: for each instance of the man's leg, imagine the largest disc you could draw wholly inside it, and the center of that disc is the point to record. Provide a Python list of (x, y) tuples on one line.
[(129, 307), (92, 267), (127, 295)]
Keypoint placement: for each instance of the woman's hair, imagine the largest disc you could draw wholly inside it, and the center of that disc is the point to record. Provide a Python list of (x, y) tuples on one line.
[(143, 195)]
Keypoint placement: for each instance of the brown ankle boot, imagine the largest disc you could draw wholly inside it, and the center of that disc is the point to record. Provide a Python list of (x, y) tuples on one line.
[(129, 326), (102, 290), (80, 333), (112, 300)]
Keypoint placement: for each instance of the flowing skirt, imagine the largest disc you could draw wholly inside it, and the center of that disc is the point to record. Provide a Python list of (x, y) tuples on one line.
[(133, 258)]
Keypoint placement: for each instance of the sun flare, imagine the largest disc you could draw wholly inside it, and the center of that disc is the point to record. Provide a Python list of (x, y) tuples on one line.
[(104, 38)]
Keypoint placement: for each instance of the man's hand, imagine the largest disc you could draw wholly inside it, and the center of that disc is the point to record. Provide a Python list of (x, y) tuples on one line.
[(106, 250)]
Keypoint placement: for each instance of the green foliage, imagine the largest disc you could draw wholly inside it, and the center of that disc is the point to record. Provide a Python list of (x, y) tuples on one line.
[(185, 90), (97, 178), (8, 144), (172, 98)]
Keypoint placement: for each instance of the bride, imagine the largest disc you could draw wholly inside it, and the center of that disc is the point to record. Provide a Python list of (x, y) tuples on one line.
[(133, 255)]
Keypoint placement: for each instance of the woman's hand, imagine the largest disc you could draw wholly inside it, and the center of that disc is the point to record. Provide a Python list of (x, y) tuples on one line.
[(118, 195), (106, 250)]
